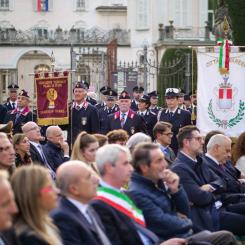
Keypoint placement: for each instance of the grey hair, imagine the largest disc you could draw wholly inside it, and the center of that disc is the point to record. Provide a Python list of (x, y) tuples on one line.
[(109, 154), (136, 139), (217, 139)]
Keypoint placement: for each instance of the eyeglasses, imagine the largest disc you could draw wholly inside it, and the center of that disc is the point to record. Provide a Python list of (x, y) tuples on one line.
[(198, 138)]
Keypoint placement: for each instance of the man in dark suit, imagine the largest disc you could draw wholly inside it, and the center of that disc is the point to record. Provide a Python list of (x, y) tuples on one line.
[(149, 116), (109, 108), (22, 114), (217, 156), (77, 222), (56, 148), (32, 132), (176, 116), (126, 118), (202, 186), (83, 116), (7, 209), (156, 190), (11, 103), (116, 210)]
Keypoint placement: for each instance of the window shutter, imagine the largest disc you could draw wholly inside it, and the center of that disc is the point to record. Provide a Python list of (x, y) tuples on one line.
[(34, 2), (50, 5), (11, 5)]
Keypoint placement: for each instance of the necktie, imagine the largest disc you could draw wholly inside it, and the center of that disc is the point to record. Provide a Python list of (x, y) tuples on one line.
[(103, 238), (171, 114), (142, 114), (17, 115), (52, 173), (123, 119), (13, 105)]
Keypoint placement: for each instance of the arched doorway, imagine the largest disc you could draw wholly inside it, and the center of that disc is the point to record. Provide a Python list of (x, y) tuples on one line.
[(29, 63)]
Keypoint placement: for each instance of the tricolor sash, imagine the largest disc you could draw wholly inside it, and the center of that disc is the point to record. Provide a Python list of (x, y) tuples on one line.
[(121, 202)]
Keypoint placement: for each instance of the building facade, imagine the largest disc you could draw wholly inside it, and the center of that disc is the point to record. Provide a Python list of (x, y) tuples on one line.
[(32, 32)]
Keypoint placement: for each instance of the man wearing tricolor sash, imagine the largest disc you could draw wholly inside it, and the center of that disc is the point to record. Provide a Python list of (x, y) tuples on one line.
[(123, 220)]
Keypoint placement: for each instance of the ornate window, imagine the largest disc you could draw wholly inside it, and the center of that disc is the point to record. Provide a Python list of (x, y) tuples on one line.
[(142, 14), (4, 4)]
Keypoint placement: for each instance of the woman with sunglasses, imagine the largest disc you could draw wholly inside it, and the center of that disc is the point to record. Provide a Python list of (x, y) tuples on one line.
[(32, 223), (84, 149)]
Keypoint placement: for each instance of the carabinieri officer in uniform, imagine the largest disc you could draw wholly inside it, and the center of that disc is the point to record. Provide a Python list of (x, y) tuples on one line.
[(174, 115)]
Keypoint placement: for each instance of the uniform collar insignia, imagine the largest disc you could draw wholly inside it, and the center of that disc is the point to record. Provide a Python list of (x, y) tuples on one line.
[(24, 112), (117, 115), (131, 114)]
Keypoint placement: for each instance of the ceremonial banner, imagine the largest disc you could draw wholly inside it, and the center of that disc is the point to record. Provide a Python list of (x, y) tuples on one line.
[(221, 97), (52, 96)]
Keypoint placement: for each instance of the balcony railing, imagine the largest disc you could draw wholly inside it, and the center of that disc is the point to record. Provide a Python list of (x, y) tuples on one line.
[(42, 36)]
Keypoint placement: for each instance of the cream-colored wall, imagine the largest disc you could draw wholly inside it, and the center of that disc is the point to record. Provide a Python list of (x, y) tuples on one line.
[(24, 17)]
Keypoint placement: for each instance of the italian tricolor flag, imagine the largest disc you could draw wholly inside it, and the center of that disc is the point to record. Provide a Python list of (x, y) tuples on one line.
[(42, 5), (121, 202), (224, 55)]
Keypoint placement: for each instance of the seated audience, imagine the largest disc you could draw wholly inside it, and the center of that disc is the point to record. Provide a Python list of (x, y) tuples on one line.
[(32, 223), (157, 192), (32, 132), (56, 149), (117, 136), (84, 149), (136, 139), (239, 153), (123, 221), (77, 221), (22, 150), (202, 186)]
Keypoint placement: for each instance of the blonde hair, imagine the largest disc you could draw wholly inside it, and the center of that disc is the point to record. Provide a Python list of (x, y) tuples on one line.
[(26, 183), (82, 141)]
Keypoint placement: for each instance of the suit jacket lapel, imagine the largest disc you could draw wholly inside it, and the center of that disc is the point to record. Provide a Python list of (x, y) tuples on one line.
[(76, 213)]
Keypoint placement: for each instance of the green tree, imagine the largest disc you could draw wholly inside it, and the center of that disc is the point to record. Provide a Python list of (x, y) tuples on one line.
[(237, 14)]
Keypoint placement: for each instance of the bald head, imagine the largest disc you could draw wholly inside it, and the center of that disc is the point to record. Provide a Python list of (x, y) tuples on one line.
[(219, 147), (54, 134), (32, 131), (76, 180)]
